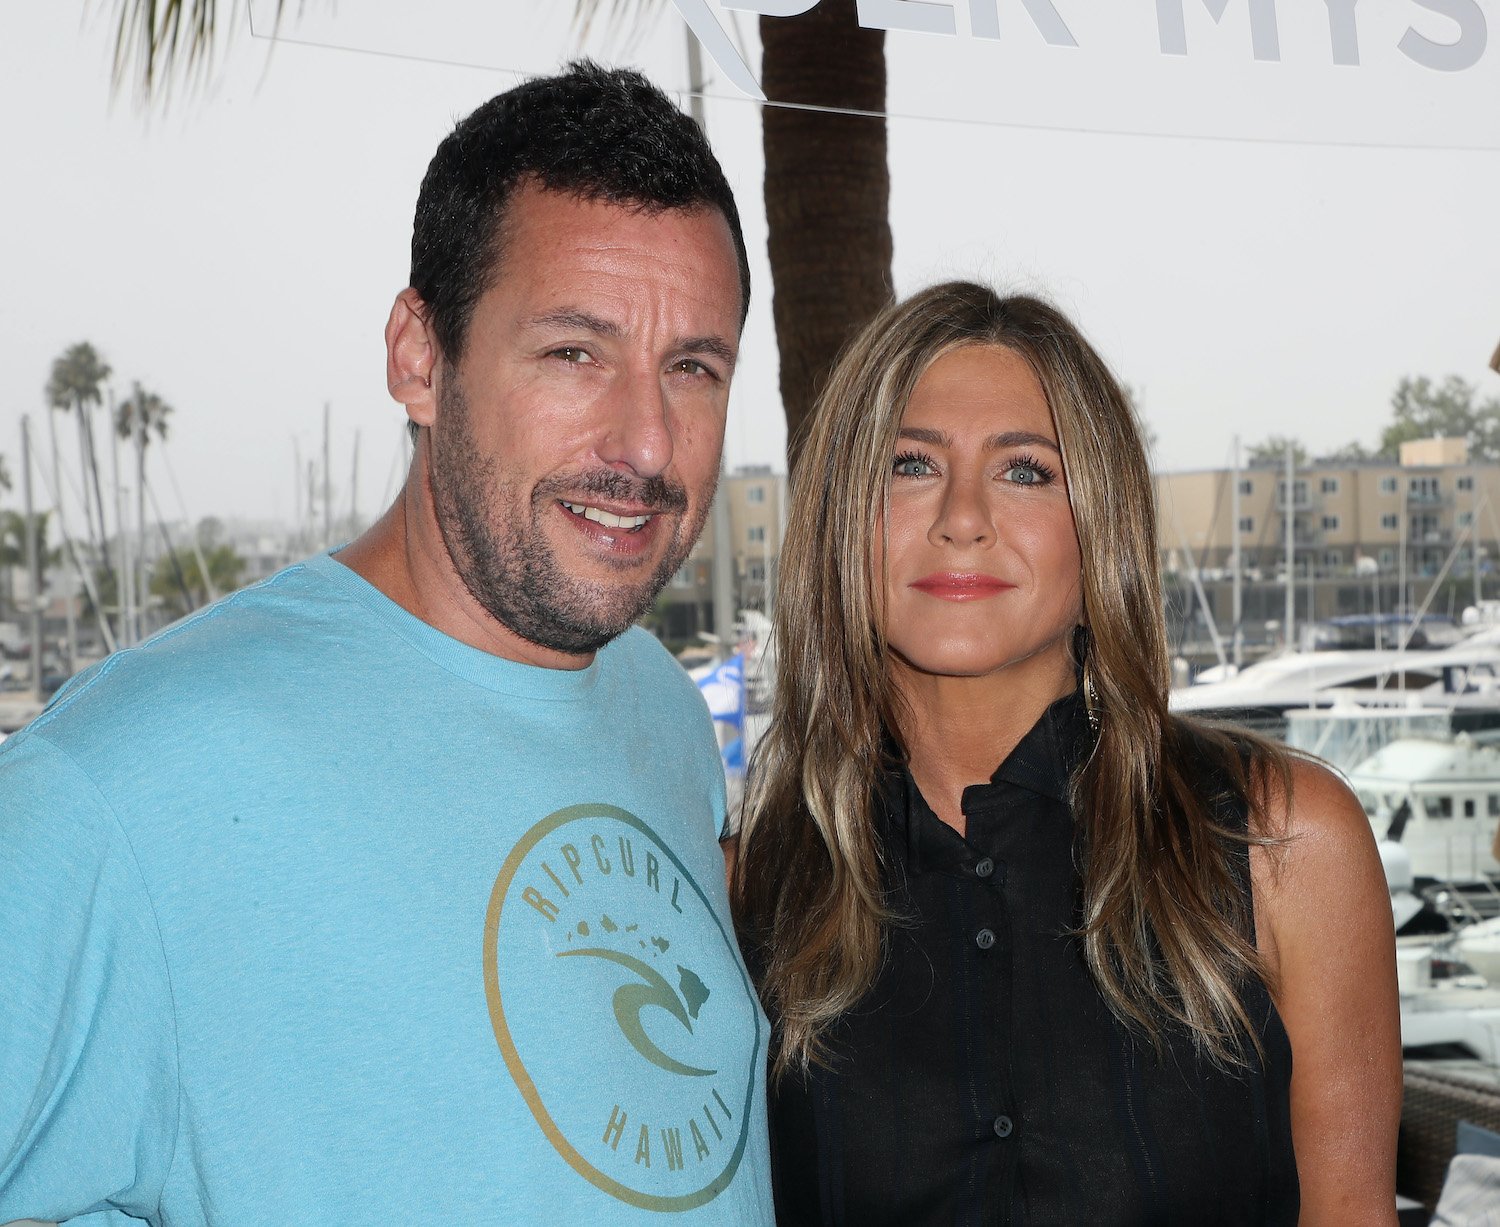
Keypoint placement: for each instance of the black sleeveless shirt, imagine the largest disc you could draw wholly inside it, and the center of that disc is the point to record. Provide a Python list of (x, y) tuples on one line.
[(983, 1080)]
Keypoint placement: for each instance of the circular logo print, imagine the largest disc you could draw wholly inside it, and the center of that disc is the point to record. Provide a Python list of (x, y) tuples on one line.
[(622, 1009)]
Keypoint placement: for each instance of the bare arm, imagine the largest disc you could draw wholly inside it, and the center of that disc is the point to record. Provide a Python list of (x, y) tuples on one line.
[(1323, 922), (730, 847)]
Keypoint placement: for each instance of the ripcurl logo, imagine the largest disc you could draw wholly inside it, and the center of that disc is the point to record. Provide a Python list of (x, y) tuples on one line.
[(622, 1009)]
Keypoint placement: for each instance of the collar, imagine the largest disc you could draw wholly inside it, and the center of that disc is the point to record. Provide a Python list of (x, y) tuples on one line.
[(1042, 763)]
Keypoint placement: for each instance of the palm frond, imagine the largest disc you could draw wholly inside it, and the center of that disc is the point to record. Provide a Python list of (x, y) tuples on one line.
[(158, 42), (632, 18)]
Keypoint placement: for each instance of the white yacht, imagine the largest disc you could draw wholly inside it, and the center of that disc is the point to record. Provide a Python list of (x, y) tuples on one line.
[(1440, 799), (1462, 679)]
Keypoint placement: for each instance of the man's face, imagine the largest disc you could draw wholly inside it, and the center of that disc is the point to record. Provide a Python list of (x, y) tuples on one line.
[(576, 445)]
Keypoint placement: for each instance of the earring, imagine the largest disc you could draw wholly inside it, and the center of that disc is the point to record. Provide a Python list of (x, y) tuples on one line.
[(1082, 642)]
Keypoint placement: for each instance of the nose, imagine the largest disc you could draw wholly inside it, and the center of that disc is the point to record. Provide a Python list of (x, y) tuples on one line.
[(637, 431), (964, 517)]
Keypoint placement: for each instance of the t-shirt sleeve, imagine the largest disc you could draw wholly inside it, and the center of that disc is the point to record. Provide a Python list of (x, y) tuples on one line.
[(88, 1058)]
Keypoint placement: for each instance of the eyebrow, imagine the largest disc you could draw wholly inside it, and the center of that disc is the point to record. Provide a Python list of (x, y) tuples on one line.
[(575, 319), (711, 346), (995, 443)]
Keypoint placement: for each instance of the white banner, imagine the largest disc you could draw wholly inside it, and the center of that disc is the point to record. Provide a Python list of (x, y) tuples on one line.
[(1360, 72)]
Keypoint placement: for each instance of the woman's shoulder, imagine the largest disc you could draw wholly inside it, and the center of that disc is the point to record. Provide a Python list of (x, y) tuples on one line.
[(1318, 864), (1306, 807)]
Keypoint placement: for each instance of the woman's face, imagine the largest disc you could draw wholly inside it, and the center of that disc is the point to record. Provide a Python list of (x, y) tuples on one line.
[(982, 571)]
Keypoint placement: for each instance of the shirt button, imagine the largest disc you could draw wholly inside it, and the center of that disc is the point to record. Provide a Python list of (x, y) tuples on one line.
[(1003, 1127), (984, 868), (984, 939)]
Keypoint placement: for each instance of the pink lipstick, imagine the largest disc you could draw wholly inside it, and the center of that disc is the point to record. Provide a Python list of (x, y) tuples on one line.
[(960, 585)]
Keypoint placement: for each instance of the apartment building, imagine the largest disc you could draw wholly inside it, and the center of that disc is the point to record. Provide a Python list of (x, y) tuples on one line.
[(756, 498), (1368, 536)]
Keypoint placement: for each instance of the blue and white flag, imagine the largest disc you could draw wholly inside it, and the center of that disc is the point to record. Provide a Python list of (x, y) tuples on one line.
[(724, 690)]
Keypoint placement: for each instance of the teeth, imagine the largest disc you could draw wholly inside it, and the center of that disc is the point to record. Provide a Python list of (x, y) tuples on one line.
[(604, 517)]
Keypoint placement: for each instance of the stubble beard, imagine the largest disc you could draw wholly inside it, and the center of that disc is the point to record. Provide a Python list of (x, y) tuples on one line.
[(504, 558)]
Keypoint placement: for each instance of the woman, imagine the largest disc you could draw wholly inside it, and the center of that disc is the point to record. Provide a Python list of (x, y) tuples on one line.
[(1036, 951)]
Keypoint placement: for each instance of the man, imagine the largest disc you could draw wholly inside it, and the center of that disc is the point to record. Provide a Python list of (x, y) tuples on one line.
[(387, 891)]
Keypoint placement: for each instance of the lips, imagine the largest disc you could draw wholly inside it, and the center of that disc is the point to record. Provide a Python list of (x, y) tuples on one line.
[(961, 585), (607, 518), (622, 536)]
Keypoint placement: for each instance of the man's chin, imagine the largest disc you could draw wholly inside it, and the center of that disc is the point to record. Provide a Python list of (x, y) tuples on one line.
[(580, 622)]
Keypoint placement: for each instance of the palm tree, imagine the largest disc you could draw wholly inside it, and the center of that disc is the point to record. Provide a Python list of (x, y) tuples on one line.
[(149, 408), (179, 581), (827, 186), (13, 552), (76, 385), (827, 192)]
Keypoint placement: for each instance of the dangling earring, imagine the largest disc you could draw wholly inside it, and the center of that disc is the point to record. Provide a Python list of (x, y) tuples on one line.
[(1082, 643)]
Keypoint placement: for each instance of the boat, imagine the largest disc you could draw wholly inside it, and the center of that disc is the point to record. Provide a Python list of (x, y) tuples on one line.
[(1439, 798), (1461, 679)]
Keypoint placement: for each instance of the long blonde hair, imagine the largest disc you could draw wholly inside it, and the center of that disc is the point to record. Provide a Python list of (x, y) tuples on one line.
[(1167, 931)]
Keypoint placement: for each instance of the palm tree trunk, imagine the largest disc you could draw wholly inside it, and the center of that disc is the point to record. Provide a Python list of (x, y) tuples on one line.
[(827, 191)]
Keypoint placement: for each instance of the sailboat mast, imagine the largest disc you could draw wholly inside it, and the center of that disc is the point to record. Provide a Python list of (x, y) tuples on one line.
[(1236, 563), (327, 477), (33, 561), (1291, 547)]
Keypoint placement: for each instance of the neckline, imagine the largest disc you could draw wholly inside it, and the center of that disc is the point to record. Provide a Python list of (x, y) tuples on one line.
[(479, 668)]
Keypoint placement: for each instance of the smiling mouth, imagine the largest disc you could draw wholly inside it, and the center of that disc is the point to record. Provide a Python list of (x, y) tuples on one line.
[(608, 519)]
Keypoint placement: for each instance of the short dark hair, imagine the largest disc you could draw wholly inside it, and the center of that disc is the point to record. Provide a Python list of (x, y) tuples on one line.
[(594, 133)]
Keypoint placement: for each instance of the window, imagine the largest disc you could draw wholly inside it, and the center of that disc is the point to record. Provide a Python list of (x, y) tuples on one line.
[(1247, 524), (1299, 492), (1423, 489), (757, 534), (1465, 518), (1438, 807), (1495, 805), (1388, 485), (1333, 558), (1390, 522), (1387, 558), (1465, 483), (755, 494), (1468, 807), (1330, 523), (756, 571), (1329, 485), (1247, 485)]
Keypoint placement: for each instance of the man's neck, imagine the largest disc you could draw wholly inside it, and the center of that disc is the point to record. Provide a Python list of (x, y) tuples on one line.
[(403, 554)]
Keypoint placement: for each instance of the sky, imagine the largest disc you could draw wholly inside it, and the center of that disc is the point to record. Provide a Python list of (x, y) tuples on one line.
[(238, 251)]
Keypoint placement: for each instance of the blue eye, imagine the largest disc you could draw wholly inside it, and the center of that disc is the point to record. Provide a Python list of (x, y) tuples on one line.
[(912, 464), (1028, 471)]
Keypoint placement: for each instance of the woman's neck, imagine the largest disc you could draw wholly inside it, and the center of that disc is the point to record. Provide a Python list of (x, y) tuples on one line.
[(956, 730)]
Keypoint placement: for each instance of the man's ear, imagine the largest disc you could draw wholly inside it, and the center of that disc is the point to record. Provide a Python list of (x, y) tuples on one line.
[(410, 355)]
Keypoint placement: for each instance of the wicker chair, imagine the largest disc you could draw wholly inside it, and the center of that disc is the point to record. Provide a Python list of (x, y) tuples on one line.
[(1439, 1094)]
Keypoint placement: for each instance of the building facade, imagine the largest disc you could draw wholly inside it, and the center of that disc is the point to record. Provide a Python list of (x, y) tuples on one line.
[(756, 499), (1368, 537)]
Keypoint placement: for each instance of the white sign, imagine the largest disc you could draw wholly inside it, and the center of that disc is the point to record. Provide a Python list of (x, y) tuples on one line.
[(1362, 72)]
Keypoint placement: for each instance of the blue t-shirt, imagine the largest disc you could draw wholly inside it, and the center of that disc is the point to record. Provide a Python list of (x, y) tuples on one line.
[(312, 914)]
